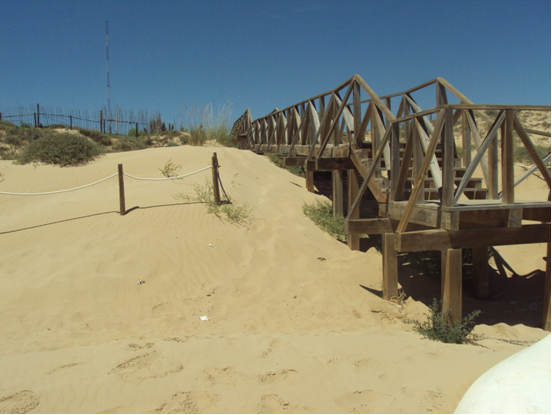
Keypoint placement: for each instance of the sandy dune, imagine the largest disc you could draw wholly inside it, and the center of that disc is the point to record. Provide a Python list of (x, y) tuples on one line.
[(296, 325)]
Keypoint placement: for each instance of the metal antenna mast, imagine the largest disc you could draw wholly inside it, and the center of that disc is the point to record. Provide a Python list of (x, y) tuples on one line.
[(107, 60)]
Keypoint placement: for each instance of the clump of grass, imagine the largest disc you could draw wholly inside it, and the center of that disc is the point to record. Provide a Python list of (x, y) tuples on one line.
[(278, 160), (130, 143), (63, 149), (202, 125), (196, 137), (6, 124), (321, 213), (440, 326), (97, 136), (228, 210), (170, 169), (521, 155)]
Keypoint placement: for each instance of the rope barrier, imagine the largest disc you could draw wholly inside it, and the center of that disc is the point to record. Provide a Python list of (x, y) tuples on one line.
[(58, 191), (99, 181), (167, 178)]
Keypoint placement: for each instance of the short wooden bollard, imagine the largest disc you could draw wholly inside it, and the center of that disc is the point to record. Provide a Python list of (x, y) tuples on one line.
[(216, 191), (122, 209)]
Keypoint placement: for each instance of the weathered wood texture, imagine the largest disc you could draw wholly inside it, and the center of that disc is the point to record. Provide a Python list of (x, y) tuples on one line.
[(409, 161)]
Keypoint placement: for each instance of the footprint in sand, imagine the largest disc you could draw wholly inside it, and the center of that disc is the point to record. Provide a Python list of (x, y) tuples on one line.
[(146, 366), (366, 365), (19, 403), (363, 401), (64, 367), (189, 402), (273, 404), (226, 375), (271, 377)]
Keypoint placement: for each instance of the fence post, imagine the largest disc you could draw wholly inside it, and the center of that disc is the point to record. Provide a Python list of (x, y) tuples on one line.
[(37, 115), (216, 191), (0, 116), (35, 119), (70, 122), (136, 129), (122, 209), (116, 121), (101, 121)]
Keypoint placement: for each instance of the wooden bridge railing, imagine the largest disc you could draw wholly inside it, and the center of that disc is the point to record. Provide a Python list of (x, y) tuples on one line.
[(420, 165)]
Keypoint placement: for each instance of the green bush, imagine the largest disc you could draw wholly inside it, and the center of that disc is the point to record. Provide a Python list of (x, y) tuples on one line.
[(321, 213), (278, 160), (130, 144), (196, 137), (63, 149), (171, 133), (132, 132), (6, 124), (440, 326), (521, 155), (97, 136), (227, 210)]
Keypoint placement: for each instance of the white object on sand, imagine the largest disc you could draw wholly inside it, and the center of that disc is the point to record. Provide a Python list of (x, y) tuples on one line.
[(211, 245), (204, 318), (519, 384)]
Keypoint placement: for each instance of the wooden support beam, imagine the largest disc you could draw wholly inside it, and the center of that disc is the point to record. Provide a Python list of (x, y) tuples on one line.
[(514, 218), (507, 158), (433, 240), (452, 287), (331, 164), (491, 144), (447, 191), (419, 185), (390, 267), (531, 149), (546, 302), (376, 226), (466, 140), (294, 161), (492, 159), (337, 193), (309, 178), (480, 261), (353, 239)]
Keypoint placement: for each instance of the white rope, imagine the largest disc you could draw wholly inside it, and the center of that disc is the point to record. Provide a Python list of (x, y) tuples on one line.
[(99, 181), (58, 191), (167, 178)]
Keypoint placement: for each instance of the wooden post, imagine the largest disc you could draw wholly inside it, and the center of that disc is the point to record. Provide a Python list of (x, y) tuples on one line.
[(71, 122), (37, 115), (546, 302), (452, 287), (390, 267), (493, 168), (101, 121), (337, 193), (309, 178), (447, 195), (481, 272), (216, 190), (466, 140), (36, 125), (353, 239), (122, 209), (136, 130), (116, 120), (508, 158)]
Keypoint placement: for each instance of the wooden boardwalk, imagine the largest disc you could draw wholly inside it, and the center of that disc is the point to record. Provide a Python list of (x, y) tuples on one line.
[(443, 177)]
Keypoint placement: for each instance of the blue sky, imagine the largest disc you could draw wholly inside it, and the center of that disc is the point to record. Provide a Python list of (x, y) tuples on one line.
[(165, 55)]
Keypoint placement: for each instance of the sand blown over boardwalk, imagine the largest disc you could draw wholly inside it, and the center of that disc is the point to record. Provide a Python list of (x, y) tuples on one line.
[(291, 329)]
